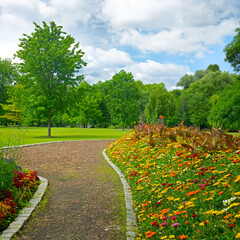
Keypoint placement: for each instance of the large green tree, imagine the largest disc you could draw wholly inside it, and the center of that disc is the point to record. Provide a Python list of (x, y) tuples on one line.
[(121, 94), (232, 51), (50, 63)]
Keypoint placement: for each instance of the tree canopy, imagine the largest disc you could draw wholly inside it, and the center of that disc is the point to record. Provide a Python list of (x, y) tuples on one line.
[(50, 63), (121, 96), (232, 51)]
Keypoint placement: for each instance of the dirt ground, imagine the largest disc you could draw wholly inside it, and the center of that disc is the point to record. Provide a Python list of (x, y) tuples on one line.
[(85, 197)]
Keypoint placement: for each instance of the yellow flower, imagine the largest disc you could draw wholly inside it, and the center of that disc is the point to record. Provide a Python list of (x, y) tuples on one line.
[(237, 194), (210, 212), (238, 236), (237, 179), (237, 216), (224, 183), (164, 237), (208, 199), (234, 205), (172, 236)]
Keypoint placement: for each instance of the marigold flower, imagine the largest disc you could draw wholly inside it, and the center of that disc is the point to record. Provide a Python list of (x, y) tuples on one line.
[(183, 236), (238, 236), (192, 193)]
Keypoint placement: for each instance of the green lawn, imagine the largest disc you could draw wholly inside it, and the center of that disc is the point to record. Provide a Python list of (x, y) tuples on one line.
[(30, 135)]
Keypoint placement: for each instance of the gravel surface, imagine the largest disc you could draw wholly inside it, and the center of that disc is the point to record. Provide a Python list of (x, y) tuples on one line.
[(85, 198)]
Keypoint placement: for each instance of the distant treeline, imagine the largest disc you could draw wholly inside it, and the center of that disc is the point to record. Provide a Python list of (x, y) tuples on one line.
[(208, 98)]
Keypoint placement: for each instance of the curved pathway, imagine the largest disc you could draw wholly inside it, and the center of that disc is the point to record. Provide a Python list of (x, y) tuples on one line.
[(85, 199)]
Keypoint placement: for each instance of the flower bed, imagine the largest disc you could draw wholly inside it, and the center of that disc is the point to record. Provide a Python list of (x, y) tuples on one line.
[(185, 182), (17, 188)]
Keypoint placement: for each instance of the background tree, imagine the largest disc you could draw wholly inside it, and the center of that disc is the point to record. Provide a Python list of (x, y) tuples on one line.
[(121, 96), (13, 105), (213, 68), (50, 61), (161, 102), (225, 110), (8, 74), (88, 106), (199, 93), (185, 81)]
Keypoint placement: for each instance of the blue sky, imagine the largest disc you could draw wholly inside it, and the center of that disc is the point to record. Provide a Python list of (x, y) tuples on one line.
[(156, 40)]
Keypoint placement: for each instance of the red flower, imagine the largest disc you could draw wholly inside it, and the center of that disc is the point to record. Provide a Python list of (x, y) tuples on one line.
[(231, 225), (133, 173)]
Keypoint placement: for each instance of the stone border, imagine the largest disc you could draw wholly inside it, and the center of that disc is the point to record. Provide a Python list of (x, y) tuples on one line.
[(18, 222), (131, 217)]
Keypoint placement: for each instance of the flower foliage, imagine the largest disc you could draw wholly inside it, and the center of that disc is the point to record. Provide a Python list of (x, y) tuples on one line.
[(24, 184), (185, 182)]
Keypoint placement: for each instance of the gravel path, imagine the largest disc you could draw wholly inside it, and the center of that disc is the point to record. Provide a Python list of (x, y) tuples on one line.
[(85, 199)]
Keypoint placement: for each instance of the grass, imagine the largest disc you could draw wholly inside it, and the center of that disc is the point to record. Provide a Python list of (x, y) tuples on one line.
[(33, 135)]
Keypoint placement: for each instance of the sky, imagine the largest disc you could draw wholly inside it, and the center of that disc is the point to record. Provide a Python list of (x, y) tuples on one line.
[(156, 40)]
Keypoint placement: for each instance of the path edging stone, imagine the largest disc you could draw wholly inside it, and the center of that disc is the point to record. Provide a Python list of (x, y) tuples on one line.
[(131, 217), (26, 212)]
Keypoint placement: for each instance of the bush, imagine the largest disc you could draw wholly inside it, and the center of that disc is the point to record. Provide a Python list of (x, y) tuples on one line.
[(7, 168)]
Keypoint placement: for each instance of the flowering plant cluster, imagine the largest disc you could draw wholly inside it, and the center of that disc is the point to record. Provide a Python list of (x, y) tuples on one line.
[(185, 182), (12, 200)]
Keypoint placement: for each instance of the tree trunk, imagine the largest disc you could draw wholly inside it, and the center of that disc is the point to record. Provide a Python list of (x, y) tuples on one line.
[(123, 127), (49, 123)]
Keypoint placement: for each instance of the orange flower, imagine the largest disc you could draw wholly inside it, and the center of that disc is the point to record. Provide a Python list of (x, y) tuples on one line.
[(192, 193), (220, 193), (149, 234), (161, 117), (183, 236)]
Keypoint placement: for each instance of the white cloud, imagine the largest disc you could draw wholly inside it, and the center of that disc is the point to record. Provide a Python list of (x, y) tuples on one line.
[(162, 14), (7, 50), (172, 26), (112, 57), (103, 64), (179, 40), (155, 72)]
